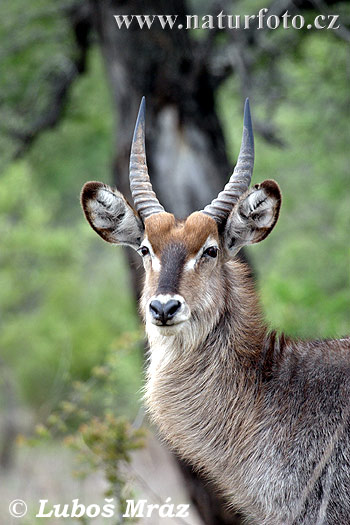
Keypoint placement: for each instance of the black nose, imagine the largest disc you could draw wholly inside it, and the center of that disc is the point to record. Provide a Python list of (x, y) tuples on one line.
[(164, 311)]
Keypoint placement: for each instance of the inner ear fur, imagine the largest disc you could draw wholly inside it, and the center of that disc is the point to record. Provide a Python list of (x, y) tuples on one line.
[(110, 215), (253, 217)]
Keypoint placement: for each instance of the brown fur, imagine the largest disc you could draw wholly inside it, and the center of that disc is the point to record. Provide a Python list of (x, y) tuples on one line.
[(265, 417), (162, 228)]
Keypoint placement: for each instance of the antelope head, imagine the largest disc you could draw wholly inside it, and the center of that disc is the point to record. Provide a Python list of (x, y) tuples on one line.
[(184, 260)]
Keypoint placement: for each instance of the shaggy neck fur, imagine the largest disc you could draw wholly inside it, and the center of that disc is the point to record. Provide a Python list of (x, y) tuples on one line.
[(216, 390), (204, 370)]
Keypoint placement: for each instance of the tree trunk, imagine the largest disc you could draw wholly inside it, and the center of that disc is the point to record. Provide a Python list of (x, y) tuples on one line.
[(185, 145)]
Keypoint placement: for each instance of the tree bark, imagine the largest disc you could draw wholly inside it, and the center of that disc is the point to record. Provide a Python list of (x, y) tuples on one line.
[(185, 144)]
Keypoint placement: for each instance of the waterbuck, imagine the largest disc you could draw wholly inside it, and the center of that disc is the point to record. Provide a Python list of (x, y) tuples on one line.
[(264, 416)]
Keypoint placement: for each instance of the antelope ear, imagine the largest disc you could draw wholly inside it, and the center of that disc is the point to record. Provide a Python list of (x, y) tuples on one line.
[(110, 215), (253, 217)]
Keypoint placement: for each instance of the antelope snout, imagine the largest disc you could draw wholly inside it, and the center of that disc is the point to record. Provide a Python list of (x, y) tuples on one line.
[(168, 310), (164, 311)]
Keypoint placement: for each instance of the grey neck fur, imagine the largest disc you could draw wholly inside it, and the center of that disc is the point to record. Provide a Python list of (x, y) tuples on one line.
[(263, 416)]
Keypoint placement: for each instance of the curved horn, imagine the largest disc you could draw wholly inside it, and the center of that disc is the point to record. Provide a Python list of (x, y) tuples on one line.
[(145, 200), (220, 208)]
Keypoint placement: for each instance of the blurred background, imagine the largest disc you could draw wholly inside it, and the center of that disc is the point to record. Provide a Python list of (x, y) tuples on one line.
[(71, 344)]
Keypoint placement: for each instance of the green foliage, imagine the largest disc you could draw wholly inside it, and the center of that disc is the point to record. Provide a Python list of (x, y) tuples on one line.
[(110, 441), (37, 47), (87, 422), (67, 290), (303, 268), (59, 313), (69, 330), (81, 147)]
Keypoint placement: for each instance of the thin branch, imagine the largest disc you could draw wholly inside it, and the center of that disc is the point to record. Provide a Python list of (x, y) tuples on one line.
[(342, 32), (60, 88), (153, 494), (239, 58), (61, 82), (269, 133)]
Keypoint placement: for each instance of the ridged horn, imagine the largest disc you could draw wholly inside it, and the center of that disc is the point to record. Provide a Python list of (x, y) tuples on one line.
[(145, 200), (220, 208)]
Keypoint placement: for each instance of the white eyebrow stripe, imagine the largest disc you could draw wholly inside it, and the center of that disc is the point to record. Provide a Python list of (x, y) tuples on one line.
[(156, 264), (191, 263)]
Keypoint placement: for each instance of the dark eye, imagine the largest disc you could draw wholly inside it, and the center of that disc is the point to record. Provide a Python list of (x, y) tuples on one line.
[(212, 251), (143, 251)]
